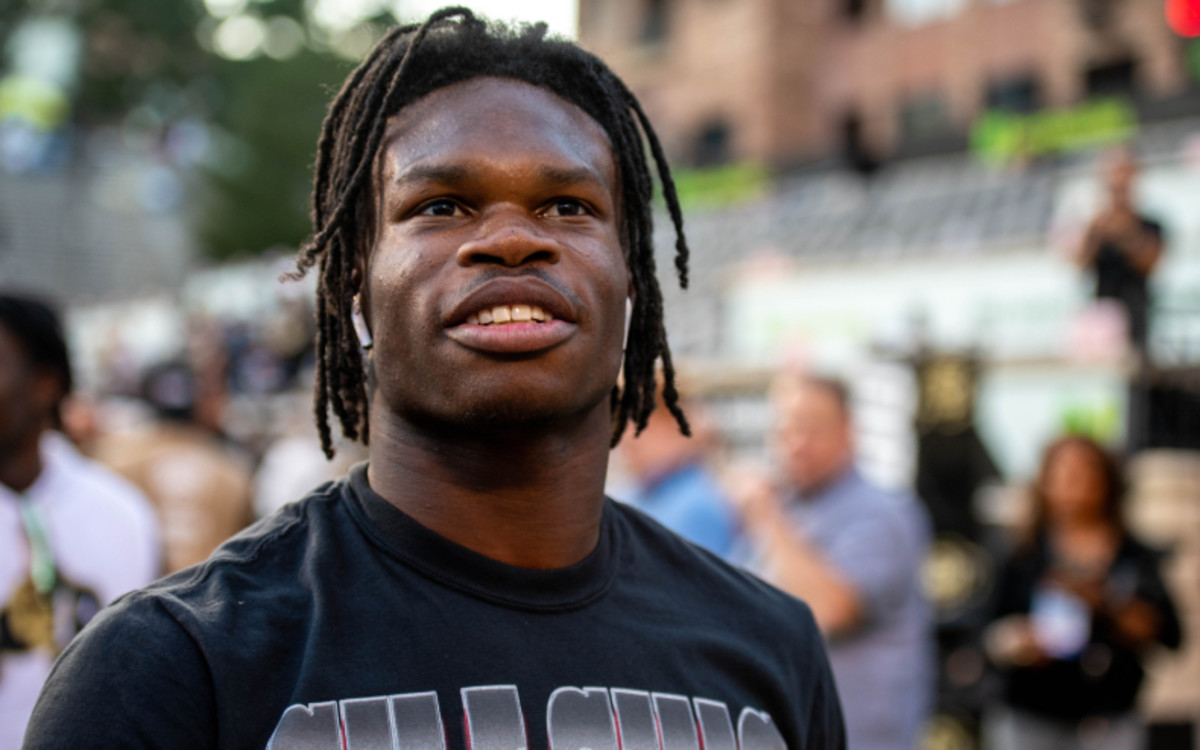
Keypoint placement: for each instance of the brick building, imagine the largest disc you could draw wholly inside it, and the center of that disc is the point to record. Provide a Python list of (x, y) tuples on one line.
[(789, 82)]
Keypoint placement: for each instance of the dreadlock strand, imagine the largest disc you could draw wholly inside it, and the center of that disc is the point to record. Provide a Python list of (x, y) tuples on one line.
[(333, 123), (671, 394), (669, 195), (375, 135), (353, 394), (320, 392), (338, 315)]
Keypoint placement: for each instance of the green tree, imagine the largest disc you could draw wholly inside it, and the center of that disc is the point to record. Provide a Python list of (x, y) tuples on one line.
[(257, 197), (149, 65)]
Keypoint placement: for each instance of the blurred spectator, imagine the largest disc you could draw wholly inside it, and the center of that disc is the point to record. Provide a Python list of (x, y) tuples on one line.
[(73, 536), (294, 463), (673, 484), (852, 551), (1122, 247), (1080, 601), (200, 488)]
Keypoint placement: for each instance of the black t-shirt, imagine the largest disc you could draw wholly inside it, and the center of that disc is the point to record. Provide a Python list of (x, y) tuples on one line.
[(1115, 275), (1105, 677), (340, 619)]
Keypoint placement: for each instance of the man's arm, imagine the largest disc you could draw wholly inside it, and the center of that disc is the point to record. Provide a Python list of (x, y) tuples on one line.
[(1144, 248), (803, 571), (1084, 254), (799, 567), (132, 679), (1138, 240)]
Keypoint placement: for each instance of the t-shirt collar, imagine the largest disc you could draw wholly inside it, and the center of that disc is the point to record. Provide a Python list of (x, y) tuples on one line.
[(458, 567)]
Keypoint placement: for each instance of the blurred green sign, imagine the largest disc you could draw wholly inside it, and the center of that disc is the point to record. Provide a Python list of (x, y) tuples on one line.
[(1002, 136), (721, 186), (37, 102)]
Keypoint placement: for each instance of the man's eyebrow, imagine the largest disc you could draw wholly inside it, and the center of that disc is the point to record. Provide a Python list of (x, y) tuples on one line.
[(449, 173), (459, 173), (561, 176)]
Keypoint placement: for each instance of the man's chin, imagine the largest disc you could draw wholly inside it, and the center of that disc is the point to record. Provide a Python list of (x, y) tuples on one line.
[(510, 414)]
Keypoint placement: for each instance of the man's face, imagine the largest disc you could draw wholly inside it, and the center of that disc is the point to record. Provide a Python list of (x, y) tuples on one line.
[(25, 396), (1120, 172), (496, 289), (814, 437)]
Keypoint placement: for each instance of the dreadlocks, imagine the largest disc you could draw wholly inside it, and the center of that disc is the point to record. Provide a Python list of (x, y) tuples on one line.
[(410, 62)]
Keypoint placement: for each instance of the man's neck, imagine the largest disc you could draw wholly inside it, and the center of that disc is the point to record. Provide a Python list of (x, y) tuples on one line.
[(21, 466), (532, 499)]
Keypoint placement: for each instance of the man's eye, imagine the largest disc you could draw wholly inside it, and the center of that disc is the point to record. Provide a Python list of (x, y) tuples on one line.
[(440, 208), (566, 207)]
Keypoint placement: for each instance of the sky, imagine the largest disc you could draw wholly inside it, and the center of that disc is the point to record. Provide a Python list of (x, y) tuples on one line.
[(241, 35), (559, 14)]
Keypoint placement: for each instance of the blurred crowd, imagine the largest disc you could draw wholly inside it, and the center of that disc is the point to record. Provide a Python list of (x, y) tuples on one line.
[(141, 475), (1055, 649)]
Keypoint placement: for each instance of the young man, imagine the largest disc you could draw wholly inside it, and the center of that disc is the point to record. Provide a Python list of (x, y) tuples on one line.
[(73, 535), (482, 197)]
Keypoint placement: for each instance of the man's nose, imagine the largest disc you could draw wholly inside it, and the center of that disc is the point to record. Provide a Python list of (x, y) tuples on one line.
[(509, 237)]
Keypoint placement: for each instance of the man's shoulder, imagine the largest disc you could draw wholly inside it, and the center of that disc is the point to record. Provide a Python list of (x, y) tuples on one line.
[(861, 503), (683, 570), (862, 494), (263, 565)]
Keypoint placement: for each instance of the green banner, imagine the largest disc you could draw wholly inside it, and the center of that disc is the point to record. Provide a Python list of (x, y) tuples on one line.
[(721, 186), (1000, 137)]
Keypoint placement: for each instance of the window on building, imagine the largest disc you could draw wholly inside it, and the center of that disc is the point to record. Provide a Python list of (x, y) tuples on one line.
[(1096, 14), (1114, 79), (923, 118), (654, 22), (918, 12), (854, 10), (713, 145), (589, 15), (855, 149), (1020, 95)]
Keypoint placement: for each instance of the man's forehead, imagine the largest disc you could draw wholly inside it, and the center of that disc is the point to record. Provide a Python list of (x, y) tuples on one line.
[(494, 114)]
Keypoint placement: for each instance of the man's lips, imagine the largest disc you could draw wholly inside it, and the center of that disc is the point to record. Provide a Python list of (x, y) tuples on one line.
[(512, 315), (512, 338), (521, 291)]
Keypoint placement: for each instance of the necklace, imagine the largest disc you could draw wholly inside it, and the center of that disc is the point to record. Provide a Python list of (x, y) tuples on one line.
[(28, 618)]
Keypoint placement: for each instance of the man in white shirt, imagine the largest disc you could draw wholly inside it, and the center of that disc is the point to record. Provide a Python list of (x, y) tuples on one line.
[(73, 535)]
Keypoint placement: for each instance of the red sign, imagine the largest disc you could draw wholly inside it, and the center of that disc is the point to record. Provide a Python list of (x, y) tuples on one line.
[(1183, 16)]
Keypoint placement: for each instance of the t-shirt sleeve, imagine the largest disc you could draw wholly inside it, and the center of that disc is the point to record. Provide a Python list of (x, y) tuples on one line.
[(133, 678), (826, 727), (880, 554)]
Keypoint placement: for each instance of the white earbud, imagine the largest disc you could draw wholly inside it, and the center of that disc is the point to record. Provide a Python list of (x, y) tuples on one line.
[(628, 321), (360, 323)]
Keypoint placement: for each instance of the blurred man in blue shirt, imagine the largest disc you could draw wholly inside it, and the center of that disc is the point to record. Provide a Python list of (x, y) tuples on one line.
[(853, 552), (675, 487)]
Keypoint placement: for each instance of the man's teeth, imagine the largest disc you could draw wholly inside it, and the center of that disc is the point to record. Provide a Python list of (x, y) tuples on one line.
[(501, 314)]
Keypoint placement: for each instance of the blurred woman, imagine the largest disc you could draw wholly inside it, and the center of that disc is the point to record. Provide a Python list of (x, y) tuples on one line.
[(1080, 602)]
